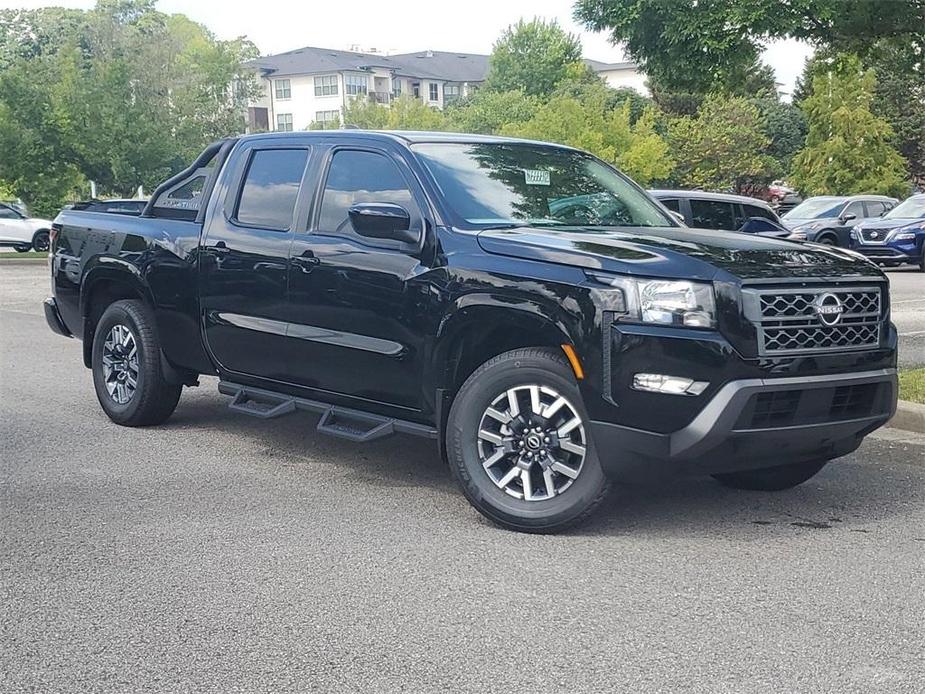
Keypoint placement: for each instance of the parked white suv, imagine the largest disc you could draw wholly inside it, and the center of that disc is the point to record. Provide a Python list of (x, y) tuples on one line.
[(21, 232)]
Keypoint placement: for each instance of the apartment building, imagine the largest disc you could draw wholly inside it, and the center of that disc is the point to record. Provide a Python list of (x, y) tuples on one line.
[(312, 85)]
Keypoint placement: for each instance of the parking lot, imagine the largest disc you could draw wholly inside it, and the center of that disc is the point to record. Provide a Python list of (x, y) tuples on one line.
[(223, 553)]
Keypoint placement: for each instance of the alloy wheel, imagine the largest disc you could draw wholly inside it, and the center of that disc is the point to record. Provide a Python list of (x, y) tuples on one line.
[(120, 364), (531, 442)]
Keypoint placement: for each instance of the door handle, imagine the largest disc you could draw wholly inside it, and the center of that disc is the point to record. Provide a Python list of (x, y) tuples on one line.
[(220, 248), (306, 262)]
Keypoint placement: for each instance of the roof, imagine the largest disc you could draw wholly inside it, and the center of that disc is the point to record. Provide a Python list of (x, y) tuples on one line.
[(705, 195), (852, 198), (406, 136), (453, 67), (442, 65), (598, 66)]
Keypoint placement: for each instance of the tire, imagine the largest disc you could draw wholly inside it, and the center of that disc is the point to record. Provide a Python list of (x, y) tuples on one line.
[(922, 259), (23, 249), (152, 399), (41, 241), (575, 495), (771, 479), (828, 241)]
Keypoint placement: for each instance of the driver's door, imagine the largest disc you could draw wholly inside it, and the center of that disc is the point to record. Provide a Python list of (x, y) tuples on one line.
[(355, 303)]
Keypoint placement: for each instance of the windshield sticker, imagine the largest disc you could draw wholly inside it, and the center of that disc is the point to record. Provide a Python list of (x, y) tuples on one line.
[(536, 177)]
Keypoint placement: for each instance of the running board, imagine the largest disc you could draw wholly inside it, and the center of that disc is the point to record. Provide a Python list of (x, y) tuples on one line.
[(342, 422)]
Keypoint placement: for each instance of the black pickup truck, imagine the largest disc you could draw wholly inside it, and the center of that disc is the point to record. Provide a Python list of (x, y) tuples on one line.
[(532, 310)]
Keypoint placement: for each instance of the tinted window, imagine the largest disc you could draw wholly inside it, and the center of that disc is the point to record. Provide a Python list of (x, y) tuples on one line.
[(490, 184), (671, 203), (712, 214), (755, 211), (271, 187), (7, 213), (355, 177), (856, 208)]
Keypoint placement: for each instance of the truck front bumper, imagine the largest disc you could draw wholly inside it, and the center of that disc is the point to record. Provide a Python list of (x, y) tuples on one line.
[(890, 255), (757, 423)]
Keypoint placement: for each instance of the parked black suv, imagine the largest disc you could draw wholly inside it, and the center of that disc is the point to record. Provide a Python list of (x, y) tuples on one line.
[(523, 304)]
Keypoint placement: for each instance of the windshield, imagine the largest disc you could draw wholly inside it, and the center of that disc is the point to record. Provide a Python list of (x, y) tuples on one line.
[(816, 208), (492, 184), (913, 208)]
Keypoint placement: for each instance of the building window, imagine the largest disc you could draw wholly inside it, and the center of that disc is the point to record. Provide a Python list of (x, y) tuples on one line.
[(450, 92), (284, 122), (416, 90), (283, 89), (326, 85), (396, 88), (327, 116), (433, 91), (356, 84)]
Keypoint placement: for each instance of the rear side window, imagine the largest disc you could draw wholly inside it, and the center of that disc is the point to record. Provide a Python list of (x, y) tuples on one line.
[(712, 214), (671, 203), (356, 177), (755, 211), (271, 188)]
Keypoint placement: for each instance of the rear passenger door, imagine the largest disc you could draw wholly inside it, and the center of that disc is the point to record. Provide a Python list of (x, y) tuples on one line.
[(244, 258), (357, 303)]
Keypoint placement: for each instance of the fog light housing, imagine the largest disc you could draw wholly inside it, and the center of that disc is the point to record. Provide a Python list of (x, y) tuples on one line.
[(670, 385)]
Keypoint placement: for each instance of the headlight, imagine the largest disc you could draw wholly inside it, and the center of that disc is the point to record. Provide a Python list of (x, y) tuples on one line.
[(667, 302), (904, 236)]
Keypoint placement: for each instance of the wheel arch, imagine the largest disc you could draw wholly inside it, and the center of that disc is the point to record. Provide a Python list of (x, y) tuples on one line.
[(479, 327), (103, 286)]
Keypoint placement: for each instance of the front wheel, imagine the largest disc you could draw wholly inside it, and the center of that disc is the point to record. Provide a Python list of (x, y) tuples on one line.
[(519, 446), (771, 479), (127, 371)]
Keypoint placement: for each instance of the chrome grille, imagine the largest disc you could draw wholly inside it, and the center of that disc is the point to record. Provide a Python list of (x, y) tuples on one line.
[(794, 321)]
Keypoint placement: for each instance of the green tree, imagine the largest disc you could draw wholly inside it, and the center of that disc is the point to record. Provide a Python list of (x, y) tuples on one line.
[(405, 113), (723, 147), (123, 96), (488, 112), (698, 45), (608, 133), (532, 57), (785, 126), (847, 148)]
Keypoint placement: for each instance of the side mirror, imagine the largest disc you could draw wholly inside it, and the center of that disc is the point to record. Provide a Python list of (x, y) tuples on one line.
[(678, 216), (382, 220), (847, 218)]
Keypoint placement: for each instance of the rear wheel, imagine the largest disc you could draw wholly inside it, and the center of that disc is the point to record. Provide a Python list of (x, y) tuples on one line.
[(772, 479), (127, 371), (519, 446), (40, 242), (23, 248)]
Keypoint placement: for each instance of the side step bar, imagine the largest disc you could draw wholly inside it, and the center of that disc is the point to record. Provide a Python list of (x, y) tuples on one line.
[(343, 422)]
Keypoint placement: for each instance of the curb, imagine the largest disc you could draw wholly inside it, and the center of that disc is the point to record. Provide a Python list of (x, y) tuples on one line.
[(910, 416), (22, 261)]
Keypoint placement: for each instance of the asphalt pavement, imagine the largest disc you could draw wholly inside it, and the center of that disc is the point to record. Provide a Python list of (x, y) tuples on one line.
[(220, 553)]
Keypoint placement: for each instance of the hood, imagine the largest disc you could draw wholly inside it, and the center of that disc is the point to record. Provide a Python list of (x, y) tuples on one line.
[(689, 253), (794, 223), (893, 223)]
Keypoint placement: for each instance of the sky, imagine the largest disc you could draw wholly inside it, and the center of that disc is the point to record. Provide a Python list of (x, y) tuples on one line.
[(402, 26)]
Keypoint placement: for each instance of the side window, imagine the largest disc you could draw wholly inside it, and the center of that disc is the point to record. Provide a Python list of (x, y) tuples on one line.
[(355, 177), (856, 208), (875, 208), (755, 211), (271, 188), (671, 203), (7, 213), (712, 214)]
